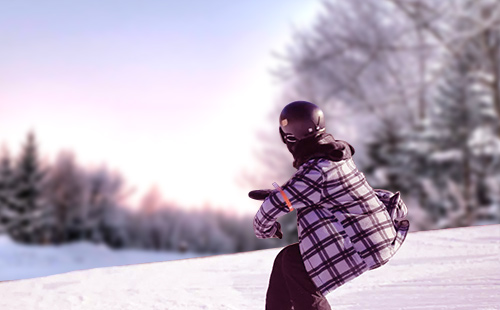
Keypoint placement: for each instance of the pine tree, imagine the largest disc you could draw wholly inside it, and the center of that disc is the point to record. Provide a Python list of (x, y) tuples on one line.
[(387, 166), (452, 154), (6, 190), (451, 159), (484, 140), (454, 182), (26, 204)]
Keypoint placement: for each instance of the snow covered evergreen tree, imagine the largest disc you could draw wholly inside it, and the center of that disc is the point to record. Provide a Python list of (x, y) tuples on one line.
[(422, 82), (448, 163), (484, 140), (26, 204), (6, 190), (456, 151)]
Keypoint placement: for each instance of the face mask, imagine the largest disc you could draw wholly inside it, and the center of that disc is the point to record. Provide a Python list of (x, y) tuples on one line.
[(287, 137)]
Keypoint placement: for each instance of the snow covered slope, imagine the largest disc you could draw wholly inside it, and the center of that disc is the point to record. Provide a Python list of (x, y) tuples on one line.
[(443, 269), (29, 261)]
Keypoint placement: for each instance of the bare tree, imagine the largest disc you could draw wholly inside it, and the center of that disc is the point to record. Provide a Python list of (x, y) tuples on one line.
[(455, 26), (65, 191), (105, 194), (380, 64)]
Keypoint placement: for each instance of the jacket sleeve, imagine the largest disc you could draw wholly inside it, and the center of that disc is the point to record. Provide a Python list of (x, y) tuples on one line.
[(303, 190)]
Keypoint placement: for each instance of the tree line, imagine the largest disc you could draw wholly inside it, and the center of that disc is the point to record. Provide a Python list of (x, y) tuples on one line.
[(416, 84), (61, 202)]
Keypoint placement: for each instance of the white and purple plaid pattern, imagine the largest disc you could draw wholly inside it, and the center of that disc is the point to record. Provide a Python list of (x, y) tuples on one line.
[(345, 227)]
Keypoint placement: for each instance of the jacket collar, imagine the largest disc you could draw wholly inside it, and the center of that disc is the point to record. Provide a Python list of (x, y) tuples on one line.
[(323, 145)]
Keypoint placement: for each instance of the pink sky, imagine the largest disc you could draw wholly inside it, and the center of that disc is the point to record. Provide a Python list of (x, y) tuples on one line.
[(168, 93)]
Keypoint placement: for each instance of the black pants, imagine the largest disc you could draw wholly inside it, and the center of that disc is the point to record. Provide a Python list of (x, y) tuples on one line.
[(290, 287)]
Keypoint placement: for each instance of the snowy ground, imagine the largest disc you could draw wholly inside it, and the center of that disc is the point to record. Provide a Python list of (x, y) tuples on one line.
[(443, 269), (23, 262)]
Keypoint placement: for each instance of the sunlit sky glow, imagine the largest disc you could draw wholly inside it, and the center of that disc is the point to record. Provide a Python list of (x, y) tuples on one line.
[(167, 92)]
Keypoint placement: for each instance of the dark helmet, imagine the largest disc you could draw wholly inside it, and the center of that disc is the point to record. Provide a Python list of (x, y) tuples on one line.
[(299, 120)]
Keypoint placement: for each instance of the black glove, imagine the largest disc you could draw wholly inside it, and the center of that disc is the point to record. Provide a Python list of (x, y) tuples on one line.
[(278, 234), (259, 194)]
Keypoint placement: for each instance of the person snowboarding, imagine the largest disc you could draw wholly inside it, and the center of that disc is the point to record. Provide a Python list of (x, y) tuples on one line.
[(345, 226)]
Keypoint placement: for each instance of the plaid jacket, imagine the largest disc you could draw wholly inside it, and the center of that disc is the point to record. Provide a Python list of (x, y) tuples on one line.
[(345, 227)]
